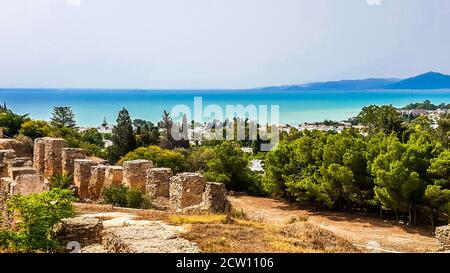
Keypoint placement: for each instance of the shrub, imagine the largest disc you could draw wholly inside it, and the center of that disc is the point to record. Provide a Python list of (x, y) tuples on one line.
[(38, 214), (115, 195), (122, 196), (35, 129), (161, 157), (61, 181)]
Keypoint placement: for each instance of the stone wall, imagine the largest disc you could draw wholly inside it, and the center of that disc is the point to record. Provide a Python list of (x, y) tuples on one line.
[(14, 172), (5, 214), (5, 184), (6, 156), (84, 230), (68, 158), (158, 181), (53, 156), (135, 173), (181, 192), (21, 149), (113, 176), (215, 198), (26, 184), (186, 189), (443, 235), (39, 155), (97, 181), (82, 176)]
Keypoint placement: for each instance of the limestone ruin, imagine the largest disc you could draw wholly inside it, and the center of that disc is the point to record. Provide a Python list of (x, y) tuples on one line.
[(135, 173), (97, 181), (82, 176), (69, 155), (21, 149), (113, 176), (186, 190), (21, 173), (443, 235)]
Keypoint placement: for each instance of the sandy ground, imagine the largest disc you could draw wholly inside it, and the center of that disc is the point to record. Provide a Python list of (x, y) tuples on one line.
[(370, 233)]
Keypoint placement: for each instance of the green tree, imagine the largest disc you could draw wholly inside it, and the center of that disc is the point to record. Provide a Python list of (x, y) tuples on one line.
[(381, 118), (63, 116), (11, 122), (230, 167), (38, 214), (198, 158), (93, 136), (161, 157), (146, 133), (35, 129), (122, 137), (438, 193)]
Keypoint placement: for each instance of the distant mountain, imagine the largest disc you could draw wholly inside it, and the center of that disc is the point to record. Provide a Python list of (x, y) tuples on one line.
[(372, 83), (430, 80)]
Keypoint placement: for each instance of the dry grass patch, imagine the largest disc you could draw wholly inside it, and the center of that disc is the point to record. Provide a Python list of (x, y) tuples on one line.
[(216, 234), (196, 219)]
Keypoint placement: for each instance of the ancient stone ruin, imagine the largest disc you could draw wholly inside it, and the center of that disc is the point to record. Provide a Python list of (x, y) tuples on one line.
[(24, 173), (82, 176), (135, 173), (443, 235), (186, 190), (113, 176), (69, 155), (17, 174)]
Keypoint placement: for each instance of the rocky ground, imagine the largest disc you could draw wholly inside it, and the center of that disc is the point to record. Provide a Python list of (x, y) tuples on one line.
[(127, 233)]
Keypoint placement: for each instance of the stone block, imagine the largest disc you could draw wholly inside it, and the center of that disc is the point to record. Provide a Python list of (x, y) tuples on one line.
[(135, 173), (82, 176), (26, 184), (53, 156), (84, 230), (21, 149), (6, 156), (186, 189), (14, 172), (69, 155), (97, 181), (158, 180), (39, 155), (442, 233), (215, 198), (113, 176)]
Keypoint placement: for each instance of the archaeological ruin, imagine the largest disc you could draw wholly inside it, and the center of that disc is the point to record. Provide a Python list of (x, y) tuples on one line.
[(24, 171)]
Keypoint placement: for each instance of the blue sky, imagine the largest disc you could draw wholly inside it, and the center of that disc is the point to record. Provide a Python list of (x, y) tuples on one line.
[(218, 43)]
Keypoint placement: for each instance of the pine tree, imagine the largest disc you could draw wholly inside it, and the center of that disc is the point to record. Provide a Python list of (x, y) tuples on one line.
[(122, 137), (63, 117)]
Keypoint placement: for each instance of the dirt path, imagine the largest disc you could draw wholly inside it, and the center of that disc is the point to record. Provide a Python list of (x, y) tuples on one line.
[(383, 236)]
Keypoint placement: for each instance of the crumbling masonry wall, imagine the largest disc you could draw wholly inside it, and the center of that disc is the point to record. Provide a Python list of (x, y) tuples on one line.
[(135, 173), (97, 181), (68, 159), (53, 156), (215, 198), (113, 176), (158, 182), (39, 155), (6, 156), (28, 184), (82, 176), (21, 149), (443, 235), (186, 189)]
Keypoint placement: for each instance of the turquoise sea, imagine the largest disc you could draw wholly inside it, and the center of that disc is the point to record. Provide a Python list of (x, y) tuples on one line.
[(91, 106)]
